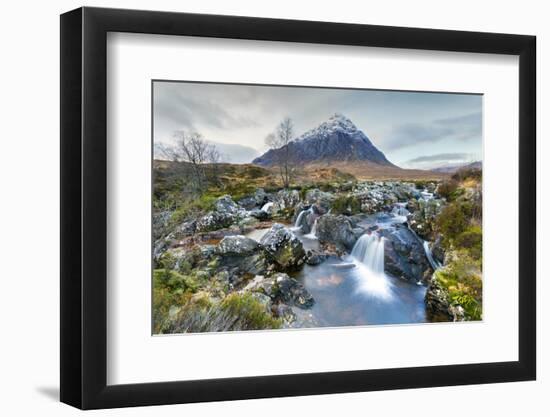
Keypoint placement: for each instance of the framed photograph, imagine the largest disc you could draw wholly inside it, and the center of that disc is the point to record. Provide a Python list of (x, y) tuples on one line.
[(257, 208)]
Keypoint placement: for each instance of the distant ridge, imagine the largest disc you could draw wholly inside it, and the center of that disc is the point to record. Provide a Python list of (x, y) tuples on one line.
[(451, 169)]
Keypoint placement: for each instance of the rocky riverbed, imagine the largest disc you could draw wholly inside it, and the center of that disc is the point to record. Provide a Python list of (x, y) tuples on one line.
[(361, 253)]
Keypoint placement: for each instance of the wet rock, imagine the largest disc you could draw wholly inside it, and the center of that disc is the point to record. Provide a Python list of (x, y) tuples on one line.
[(291, 291), (285, 248), (336, 230), (404, 255), (314, 257)]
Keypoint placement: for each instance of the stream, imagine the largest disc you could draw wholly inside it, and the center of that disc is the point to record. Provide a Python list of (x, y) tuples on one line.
[(355, 290)]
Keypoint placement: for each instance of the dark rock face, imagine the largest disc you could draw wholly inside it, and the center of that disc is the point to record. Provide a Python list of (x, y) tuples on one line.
[(338, 139), (336, 230), (404, 255), (285, 248), (243, 255)]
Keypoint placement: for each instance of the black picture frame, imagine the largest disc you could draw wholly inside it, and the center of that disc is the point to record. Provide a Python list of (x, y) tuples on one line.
[(84, 207)]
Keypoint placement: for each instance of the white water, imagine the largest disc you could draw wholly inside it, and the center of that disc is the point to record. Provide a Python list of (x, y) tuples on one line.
[(298, 222), (313, 233), (434, 264), (267, 206), (369, 254)]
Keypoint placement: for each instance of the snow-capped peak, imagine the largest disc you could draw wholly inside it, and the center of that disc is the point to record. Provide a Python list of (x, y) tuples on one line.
[(336, 122)]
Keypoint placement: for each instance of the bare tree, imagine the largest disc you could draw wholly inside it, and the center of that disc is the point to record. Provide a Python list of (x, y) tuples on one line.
[(214, 157), (193, 150), (280, 141)]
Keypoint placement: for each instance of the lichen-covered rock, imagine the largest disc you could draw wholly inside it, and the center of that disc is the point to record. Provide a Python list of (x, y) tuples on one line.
[(423, 217), (226, 212), (285, 248), (237, 245), (336, 230), (285, 201), (320, 198), (160, 220)]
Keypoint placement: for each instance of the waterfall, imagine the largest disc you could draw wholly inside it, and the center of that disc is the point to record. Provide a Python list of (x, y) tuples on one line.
[(313, 233), (298, 222), (368, 253), (369, 250), (265, 208), (433, 263)]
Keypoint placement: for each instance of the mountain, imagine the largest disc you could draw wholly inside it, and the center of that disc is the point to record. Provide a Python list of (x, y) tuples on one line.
[(451, 169), (336, 140)]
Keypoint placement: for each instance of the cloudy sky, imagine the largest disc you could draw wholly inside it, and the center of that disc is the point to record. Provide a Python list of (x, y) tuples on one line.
[(415, 130)]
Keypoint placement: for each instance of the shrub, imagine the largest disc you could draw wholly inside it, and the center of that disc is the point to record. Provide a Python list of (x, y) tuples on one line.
[(447, 188), (472, 240), (453, 220), (235, 312)]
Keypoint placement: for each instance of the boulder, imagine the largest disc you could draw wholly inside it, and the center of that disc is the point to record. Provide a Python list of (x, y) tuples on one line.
[(285, 201), (237, 245), (320, 198), (225, 213), (160, 220), (260, 197), (285, 248), (281, 288), (404, 255), (314, 257), (423, 217), (336, 230)]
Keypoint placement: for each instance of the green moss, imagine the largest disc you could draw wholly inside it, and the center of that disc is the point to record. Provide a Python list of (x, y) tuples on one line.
[(461, 280), (174, 281)]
